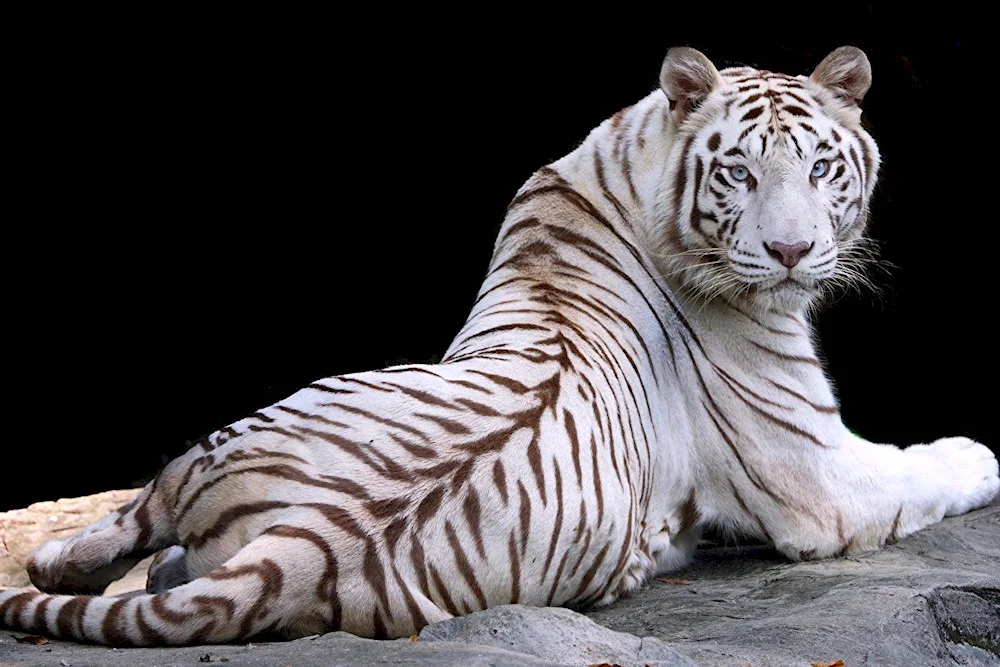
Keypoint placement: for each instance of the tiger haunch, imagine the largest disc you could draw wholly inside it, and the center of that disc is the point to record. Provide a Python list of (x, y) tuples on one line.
[(638, 365)]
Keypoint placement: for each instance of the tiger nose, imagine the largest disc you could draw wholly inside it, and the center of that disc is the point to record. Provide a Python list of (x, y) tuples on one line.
[(788, 254)]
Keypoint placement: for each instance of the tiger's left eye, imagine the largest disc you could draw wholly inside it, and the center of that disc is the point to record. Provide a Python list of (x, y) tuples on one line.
[(739, 172), (820, 168)]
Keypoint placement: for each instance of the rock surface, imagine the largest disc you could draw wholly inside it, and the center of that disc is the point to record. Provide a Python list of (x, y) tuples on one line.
[(932, 600)]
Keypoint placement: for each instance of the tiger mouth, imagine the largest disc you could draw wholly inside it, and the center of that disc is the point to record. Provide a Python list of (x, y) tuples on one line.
[(789, 285)]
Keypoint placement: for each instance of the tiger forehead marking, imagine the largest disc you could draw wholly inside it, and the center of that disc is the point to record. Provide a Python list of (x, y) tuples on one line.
[(609, 395)]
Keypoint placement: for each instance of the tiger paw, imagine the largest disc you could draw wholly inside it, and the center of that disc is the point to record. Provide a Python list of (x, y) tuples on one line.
[(46, 568), (970, 470), (168, 570)]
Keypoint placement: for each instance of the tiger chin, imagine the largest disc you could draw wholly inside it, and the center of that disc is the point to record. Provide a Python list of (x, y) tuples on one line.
[(638, 366)]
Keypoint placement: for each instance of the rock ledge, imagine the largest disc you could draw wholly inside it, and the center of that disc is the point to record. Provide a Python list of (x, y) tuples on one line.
[(932, 600)]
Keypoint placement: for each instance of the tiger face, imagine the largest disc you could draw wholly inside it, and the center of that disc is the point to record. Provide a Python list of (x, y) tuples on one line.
[(768, 179)]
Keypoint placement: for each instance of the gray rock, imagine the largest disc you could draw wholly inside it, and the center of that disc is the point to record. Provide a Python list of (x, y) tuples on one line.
[(559, 636), (931, 600)]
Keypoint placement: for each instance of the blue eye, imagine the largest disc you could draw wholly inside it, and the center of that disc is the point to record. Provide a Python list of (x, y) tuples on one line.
[(739, 172), (820, 169)]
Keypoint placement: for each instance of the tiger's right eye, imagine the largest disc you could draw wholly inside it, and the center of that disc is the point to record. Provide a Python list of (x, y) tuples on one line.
[(739, 172)]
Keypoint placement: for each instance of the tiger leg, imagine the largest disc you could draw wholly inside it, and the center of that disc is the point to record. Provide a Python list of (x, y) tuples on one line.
[(857, 495), (274, 587), (104, 551)]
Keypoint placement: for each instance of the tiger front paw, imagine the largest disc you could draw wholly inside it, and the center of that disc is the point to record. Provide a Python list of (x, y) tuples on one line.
[(969, 471)]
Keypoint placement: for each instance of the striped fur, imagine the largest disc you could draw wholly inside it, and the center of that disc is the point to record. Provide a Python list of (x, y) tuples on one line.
[(638, 365)]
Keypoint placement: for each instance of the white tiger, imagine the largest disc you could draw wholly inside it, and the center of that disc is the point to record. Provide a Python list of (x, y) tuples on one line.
[(638, 365)]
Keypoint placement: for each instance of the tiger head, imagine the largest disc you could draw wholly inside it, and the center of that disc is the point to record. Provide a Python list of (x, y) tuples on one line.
[(766, 189)]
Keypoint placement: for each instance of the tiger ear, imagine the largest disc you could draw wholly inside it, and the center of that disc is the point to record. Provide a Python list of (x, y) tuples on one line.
[(846, 72), (687, 77)]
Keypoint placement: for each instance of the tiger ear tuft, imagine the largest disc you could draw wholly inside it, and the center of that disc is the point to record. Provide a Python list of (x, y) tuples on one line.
[(687, 77), (846, 72)]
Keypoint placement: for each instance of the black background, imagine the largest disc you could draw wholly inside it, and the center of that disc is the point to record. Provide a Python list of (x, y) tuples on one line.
[(212, 212)]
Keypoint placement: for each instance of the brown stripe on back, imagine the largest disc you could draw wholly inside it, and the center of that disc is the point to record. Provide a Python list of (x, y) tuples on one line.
[(422, 396), (507, 383), (598, 492), (275, 429), (525, 516), (379, 420), (346, 486), (428, 507), (478, 408), (413, 448), (449, 604), (557, 528), (392, 533), (582, 522), (362, 383), (419, 565), (416, 616), (449, 425), (583, 553), (462, 475), (471, 511), (374, 573), (340, 518), (515, 568), (311, 417), (463, 565), (557, 578), (588, 576), (439, 470), (329, 390), (387, 508), (500, 480), (517, 227), (230, 516), (534, 454), (343, 444), (574, 444)]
